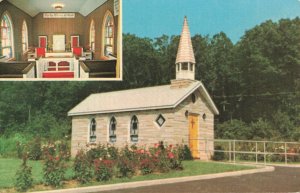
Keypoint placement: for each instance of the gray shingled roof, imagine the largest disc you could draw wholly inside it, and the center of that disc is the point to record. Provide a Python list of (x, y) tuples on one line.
[(158, 97)]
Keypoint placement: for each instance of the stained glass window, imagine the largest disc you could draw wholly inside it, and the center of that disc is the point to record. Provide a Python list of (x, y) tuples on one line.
[(92, 35), (109, 34), (93, 130), (112, 130), (24, 37), (6, 36), (134, 128)]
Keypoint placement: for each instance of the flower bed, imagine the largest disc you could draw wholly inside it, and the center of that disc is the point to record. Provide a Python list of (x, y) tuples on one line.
[(105, 161)]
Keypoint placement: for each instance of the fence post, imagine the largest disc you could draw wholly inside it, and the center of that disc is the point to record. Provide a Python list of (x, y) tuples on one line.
[(265, 159), (234, 151), (256, 152), (229, 142), (285, 154)]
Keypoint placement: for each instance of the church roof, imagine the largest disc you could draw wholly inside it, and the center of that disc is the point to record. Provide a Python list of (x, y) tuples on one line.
[(150, 98), (185, 50)]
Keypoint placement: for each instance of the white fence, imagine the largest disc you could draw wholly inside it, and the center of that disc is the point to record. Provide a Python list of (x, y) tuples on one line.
[(260, 152)]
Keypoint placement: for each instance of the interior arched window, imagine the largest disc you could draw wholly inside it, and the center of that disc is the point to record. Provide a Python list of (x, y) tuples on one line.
[(112, 130), (7, 39), (134, 129), (92, 35), (24, 36), (93, 130), (108, 34)]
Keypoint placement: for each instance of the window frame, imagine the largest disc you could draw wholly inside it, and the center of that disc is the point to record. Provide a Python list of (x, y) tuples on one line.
[(92, 35), (112, 132), (134, 133), (108, 34), (92, 123), (24, 38), (10, 31), (158, 117)]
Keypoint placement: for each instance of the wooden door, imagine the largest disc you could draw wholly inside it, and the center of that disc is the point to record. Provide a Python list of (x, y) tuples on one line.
[(193, 135)]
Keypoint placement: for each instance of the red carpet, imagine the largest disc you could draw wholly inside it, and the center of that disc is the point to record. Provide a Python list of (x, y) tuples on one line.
[(58, 74)]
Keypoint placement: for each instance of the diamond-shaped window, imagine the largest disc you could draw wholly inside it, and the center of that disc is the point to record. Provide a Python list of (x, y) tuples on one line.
[(160, 120)]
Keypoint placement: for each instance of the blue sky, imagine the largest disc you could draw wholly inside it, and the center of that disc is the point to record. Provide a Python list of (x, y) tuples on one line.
[(152, 18)]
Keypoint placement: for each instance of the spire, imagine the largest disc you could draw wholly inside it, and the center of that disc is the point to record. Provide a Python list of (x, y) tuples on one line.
[(185, 61), (185, 50)]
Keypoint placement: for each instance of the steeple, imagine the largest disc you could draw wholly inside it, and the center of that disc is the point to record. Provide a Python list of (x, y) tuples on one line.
[(185, 60)]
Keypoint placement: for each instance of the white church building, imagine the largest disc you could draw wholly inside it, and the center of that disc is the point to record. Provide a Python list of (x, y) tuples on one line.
[(181, 112)]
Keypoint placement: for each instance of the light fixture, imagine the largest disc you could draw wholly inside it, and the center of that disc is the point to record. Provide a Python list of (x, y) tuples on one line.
[(58, 6), (204, 116)]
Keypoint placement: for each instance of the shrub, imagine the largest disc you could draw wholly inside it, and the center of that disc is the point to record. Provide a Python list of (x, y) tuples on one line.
[(160, 156), (130, 153), (34, 149), (112, 152), (24, 179), (147, 166), (20, 149), (103, 169), (175, 157), (96, 153), (126, 167), (82, 168), (64, 149), (219, 155), (185, 152), (54, 167)]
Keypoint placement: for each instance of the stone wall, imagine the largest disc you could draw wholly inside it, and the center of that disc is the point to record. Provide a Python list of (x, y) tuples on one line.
[(174, 131)]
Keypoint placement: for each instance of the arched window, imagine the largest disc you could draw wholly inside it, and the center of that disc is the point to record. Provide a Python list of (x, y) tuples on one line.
[(93, 130), (92, 35), (7, 40), (108, 33), (134, 129), (24, 36), (112, 130)]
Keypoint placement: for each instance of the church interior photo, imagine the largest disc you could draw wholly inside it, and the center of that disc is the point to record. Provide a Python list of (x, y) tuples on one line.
[(61, 39)]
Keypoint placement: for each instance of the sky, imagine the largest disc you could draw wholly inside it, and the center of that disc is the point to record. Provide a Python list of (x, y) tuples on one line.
[(153, 18)]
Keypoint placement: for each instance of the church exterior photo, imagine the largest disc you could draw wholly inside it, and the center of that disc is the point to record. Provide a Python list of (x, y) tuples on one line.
[(179, 113)]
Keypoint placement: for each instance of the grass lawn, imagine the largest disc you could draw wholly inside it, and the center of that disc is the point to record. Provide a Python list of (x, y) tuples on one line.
[(8, 168)]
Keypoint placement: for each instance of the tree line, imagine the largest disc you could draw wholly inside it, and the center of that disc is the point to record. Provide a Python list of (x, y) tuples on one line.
[(255, 83)]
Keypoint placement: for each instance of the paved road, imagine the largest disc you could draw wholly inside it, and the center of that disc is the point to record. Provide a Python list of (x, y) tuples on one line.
[(283, 179)]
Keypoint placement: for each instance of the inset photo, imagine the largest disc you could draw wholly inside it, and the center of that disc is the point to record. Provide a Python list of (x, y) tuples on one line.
[(61, 40)]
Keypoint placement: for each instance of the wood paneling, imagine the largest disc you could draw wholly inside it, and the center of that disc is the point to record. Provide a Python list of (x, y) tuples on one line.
[(80, 25), (50, 27), (98, 16)]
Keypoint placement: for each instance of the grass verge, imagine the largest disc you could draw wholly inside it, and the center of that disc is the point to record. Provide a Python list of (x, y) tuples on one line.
[(8, 168)]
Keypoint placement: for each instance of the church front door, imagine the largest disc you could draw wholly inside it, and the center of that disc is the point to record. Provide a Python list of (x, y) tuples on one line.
[(193, 135)]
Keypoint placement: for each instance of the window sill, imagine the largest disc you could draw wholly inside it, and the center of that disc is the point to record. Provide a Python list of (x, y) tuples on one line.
[(92, 143)]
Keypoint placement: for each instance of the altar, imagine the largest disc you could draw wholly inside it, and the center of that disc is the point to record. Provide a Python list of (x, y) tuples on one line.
[(57, 65)]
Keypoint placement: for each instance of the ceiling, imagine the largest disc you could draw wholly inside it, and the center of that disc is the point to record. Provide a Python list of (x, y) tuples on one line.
[(33, 7)]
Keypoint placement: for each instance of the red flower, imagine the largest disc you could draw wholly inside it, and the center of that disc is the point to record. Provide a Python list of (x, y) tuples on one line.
[(171, 155)]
